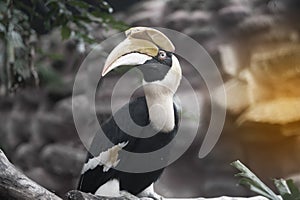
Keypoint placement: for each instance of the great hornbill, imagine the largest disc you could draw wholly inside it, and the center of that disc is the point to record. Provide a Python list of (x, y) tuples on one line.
[(152, 53)]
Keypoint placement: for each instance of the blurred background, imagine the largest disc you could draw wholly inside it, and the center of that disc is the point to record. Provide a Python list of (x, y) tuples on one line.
[(255, 44)]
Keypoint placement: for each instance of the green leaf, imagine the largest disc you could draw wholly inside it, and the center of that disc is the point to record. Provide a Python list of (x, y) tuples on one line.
[(2, 28), (294, 191), (261, 192), (87, 38), (286, 188), (65, 32), (49, 76), (292, 187), (3, 7), (20, 21), (95, 19), (16, 39), (118, 25), (80, 4), (253, 182), (282, 186), (50, 2)]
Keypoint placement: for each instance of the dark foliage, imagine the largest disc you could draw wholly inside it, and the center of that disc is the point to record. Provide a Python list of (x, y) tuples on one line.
[(23, 21)]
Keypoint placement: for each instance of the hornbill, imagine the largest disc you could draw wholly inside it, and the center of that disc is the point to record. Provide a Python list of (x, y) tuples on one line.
[(152, 53)]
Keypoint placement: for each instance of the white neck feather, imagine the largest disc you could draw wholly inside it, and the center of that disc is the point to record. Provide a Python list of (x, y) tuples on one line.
[(161, 111), (159, 97)]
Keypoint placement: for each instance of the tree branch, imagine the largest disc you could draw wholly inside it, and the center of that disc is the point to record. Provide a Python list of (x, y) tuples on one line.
[(15, 185), (78, 195)]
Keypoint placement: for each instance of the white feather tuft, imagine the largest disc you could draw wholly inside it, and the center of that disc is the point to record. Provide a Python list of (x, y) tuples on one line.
[(107, 159)]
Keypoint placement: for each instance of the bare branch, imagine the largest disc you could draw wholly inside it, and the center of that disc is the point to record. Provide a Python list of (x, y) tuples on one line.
[(15, 185), (78, 195)]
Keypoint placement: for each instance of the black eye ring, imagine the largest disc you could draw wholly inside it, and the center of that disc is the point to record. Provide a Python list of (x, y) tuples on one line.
[(162, 55)]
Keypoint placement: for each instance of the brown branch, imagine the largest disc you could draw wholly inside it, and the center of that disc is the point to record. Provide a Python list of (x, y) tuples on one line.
[(15, 185)]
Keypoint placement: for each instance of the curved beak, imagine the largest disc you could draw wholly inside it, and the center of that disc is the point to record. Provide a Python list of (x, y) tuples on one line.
[(141, 44)]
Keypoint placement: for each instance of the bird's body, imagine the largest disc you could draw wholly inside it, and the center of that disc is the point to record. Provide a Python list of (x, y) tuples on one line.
[(149, 126), (131, 182)]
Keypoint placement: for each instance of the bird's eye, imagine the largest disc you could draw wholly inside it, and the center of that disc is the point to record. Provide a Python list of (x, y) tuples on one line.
[(162, 55)]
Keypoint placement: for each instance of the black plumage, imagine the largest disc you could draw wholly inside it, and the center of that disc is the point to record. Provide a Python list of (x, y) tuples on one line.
[(134, 183)]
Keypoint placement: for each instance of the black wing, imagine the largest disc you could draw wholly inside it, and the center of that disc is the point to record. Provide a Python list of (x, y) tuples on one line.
[(91, 180)]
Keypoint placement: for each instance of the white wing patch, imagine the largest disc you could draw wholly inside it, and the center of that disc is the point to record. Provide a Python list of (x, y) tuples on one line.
[(107, 159)]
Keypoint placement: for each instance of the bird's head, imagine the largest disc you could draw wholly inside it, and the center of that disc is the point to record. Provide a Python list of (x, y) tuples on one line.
[(151, 52)]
